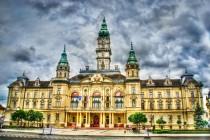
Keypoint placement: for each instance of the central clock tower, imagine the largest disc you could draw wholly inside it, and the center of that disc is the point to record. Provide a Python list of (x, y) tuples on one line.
[(103, 50)]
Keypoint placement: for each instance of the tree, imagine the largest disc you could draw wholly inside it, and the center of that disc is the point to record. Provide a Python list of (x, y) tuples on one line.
[(161, 122), (199, 122), (30, 116), (179, 122), (137, 118), (39, 116), (18, 116)]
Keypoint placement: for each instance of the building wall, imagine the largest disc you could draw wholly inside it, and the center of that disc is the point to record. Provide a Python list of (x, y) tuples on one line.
[(57, 99)]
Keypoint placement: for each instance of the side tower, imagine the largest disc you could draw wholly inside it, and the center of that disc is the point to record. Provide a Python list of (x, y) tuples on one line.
[(63, 68), (103, 51), (132, 66)]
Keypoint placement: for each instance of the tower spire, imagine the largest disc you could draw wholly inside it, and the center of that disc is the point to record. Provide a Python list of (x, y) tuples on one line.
[(63, 65), (132, 66), (132, 57), (103, 50), (104, 30)]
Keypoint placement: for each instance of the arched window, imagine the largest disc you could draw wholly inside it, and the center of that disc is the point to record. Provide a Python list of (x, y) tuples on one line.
[(142, 104), (75, 99), (96, 100), (133, 102), (118, 99)]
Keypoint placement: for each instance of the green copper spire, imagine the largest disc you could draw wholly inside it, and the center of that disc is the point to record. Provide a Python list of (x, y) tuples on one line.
[(63, 59), (132, 57), (103, 31)]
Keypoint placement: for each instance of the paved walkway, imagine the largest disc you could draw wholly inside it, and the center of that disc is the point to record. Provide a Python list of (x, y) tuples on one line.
[(96, 132)]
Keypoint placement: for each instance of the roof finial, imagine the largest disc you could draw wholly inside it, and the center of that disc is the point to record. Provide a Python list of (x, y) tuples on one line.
[(131, 45), (104, 19), (186, 70), (24, 73), (64, 49)]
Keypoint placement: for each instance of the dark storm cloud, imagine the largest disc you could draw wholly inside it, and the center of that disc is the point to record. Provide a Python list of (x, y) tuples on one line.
[(24, 55), (44, 6)]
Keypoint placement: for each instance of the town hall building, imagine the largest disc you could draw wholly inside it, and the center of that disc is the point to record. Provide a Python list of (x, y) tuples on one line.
[(104, 97)]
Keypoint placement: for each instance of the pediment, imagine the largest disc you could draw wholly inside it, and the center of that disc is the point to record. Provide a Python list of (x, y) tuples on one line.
[(96, 78)]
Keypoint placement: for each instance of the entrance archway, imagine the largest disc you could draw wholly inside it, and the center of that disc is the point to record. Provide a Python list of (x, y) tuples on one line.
[(96, 121)]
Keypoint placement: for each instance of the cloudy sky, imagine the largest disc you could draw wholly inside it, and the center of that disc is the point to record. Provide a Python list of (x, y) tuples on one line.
[(167, 36)]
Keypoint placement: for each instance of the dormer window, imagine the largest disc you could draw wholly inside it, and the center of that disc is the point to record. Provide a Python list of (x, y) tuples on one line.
[(150, 82), (37, 82), (167, 81)]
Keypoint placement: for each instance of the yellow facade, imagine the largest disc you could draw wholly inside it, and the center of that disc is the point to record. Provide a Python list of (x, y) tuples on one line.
[(104, 98)]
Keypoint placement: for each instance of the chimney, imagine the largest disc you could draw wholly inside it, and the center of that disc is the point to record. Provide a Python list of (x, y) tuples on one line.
[(116, 67), (86, 68)]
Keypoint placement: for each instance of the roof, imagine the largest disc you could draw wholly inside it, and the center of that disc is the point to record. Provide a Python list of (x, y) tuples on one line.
[(42, 84), (103, 31), (31, 84), (116, 78), (160, 83), (2, 107)]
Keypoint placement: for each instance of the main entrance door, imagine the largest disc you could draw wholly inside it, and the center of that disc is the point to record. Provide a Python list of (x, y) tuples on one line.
[(96, 121)]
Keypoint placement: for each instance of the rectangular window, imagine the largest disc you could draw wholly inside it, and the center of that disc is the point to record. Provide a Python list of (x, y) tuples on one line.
[(179, 117), (133, 90), (59, 90), (48, 117), (34, 104), (192, 94), (14, 104), (150, 95), (49, 105), (28, 95), (169, 105), (119, 102), (177, 94), (142, 104), (159, 95), (168, 94), (170, 118), (142, 95), (42, 104), (50, 94), (42, 95), (57, 116), (160, 104), (58, 103), (16, 93), (35, 94), (133, 102), (151, 105), (178, 104), (27, 103)]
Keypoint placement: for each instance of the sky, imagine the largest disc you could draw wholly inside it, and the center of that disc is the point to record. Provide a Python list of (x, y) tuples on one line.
[(168, 37)]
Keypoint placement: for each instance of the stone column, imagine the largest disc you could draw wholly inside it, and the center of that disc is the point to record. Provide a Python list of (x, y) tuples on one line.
[(77, 121), (110, 120), (66, 115), (80, 119), (100, 120), (89, 119), (104, 119), (112, 126)]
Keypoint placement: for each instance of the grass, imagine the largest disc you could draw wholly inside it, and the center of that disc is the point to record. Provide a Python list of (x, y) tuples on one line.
[(202, 131)]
